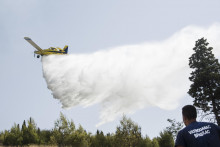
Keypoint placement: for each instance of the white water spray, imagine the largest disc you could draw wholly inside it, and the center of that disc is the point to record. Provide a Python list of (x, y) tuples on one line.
[(127, 78)]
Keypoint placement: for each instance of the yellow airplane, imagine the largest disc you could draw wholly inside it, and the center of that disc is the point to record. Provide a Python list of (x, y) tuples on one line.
[(49, 51)]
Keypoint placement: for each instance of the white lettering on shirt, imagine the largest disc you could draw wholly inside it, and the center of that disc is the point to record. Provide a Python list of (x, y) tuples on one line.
[(200, 131)]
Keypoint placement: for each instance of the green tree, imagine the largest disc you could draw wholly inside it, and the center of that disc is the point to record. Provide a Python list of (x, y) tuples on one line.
[(44, 136), (13, 137), (110, 140), (1, 138), (99, 140), (80, 138), (62, 130), (24, 132), (165, 139), (148, 142), (155, 142), (128, 133), (205, 78), (174, 127), (32, 132), (29, 132), (5, 135), (52, 140)]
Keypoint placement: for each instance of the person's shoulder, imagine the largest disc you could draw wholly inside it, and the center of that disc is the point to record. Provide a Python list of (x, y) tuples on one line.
[(207, 123), (183, 130), (211, 125)]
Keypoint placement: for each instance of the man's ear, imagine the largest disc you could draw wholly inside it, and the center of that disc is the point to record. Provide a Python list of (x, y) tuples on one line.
[(185, 120)]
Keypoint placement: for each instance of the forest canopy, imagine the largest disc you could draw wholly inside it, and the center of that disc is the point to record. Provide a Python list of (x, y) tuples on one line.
[(65, 133)]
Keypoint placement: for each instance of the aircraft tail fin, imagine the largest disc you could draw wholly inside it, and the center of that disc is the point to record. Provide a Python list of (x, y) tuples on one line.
[(65, 49)]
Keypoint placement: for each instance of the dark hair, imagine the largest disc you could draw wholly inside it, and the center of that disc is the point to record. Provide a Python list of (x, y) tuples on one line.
[(189, 112)]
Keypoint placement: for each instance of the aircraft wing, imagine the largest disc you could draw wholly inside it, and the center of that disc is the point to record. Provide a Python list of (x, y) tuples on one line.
[(32, 43)]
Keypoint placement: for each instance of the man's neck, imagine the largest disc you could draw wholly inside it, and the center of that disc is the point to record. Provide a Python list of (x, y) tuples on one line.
[(190, 121)]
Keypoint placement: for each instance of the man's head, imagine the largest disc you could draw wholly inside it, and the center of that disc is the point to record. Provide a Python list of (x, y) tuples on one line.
[(189, 114)]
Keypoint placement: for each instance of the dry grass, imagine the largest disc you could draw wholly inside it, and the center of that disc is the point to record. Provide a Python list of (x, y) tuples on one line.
[(31, 146)]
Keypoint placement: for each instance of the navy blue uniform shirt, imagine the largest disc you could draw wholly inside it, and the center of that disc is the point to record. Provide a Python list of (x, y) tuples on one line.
[(199, 134)]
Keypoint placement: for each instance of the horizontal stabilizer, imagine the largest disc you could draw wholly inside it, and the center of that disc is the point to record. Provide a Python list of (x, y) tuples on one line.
[(32, 43)]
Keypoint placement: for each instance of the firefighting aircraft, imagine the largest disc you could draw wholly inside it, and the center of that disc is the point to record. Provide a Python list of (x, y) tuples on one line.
[(49, 51)]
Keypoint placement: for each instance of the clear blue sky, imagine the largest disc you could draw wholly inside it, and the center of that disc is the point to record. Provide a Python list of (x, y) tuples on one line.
[(86, 26)]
